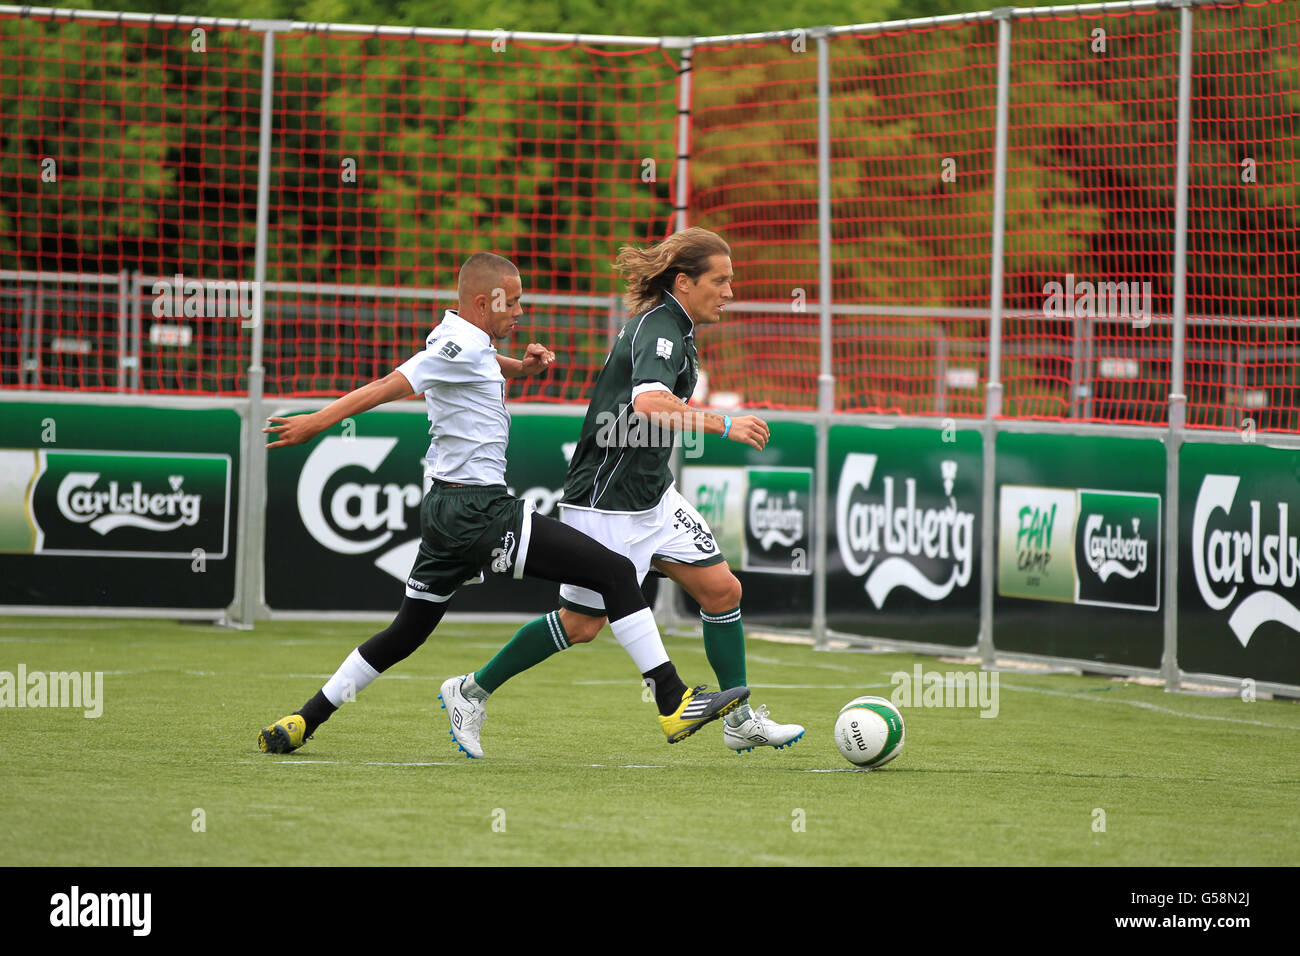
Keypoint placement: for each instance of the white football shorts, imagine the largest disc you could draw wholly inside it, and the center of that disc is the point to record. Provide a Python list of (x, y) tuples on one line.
[(672, 531)]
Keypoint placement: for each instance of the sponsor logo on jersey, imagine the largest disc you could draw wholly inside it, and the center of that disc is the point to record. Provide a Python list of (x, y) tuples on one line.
[(699, 532), (664, 348), (451, 350), (503, 557)]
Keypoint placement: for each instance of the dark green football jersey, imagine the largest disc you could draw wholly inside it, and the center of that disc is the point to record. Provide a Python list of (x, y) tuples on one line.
[(621, 462)]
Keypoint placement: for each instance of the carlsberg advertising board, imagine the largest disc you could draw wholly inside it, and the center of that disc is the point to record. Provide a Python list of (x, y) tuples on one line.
[(1079, 545), (761, 518), (759, 507), (1239, 543), (1080, 523), (117, 506), (343, 519), (905, 533)]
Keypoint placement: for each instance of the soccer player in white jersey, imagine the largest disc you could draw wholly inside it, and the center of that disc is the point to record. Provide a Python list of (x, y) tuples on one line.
[(469, 523), (620, 490)]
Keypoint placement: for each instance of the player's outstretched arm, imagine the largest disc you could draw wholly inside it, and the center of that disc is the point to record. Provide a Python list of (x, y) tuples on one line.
[(537, 359), (301, 428), (662, 407)]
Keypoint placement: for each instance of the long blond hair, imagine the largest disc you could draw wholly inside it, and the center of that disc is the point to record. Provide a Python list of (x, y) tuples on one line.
[(651, 272)]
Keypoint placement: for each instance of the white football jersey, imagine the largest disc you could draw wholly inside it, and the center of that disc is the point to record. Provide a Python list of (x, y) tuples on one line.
[(465, 395)]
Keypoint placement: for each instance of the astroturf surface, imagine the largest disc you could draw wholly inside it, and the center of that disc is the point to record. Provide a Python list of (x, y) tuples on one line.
[(577, 772)]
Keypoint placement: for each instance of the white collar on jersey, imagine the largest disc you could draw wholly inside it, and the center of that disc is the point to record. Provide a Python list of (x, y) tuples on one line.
[(684, 312), (458, 324)]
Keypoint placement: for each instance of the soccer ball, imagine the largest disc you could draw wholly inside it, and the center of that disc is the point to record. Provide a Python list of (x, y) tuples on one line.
[(869, 731)]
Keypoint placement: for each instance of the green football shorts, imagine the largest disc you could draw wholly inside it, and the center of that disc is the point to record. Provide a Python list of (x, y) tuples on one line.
[(464, 530)]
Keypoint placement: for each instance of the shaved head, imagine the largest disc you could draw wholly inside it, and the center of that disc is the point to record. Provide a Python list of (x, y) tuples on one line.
[(489, 288), (482, 273)]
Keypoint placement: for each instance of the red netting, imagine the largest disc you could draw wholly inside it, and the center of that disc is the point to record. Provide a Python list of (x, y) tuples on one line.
[(129, 157), (398, 158), (1243, 264), (1090, 209), (123, 150), (393, 160), (911, 138)]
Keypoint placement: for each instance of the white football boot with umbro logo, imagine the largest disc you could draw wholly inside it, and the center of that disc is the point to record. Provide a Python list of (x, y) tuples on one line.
[(756, 729)]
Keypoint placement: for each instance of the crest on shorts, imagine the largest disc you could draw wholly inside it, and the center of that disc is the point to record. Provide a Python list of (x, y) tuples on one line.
[(504, 556)]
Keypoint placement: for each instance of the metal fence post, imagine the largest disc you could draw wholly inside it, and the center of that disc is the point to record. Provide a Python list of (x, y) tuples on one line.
[(131, 363), (667, 602), (1177, 384), (826, 374), (252, 501), (123, 316), (993, 389), (683, 162)]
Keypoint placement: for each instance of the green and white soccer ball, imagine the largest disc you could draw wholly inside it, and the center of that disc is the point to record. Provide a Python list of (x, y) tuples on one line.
[(869, 731)]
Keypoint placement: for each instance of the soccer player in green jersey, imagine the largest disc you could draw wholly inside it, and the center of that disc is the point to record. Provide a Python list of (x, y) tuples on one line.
[(469, 523), (620, 489)]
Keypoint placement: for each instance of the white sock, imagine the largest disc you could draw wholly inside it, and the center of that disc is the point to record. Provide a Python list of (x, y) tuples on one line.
[(739, 715), (350, 679), (469, 687), (639, 636)]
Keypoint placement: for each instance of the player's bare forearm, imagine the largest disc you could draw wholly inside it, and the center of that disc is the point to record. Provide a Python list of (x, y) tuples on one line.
[(296, 429), (663, 408), (537, 359)]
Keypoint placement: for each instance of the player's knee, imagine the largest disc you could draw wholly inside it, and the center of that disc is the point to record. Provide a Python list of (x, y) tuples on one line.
[(619, 567), (723, 596), (580, 628)]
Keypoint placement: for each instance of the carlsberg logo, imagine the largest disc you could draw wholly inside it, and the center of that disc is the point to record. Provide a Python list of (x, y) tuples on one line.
[(879, 533), (774, 521), (118, 505), (1221, 559), (1110, 552)]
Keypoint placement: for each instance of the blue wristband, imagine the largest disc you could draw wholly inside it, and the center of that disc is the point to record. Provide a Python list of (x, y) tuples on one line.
[(726, 425)]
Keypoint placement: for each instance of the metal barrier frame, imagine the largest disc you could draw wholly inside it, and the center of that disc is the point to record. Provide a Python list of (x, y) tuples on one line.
[(249, 603)]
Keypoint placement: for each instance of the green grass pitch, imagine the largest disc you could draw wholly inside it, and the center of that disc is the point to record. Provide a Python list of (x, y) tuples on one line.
[(577, 771)]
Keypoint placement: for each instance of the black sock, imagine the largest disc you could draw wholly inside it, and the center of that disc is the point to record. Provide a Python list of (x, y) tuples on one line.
[(315, 712), (668, 687)]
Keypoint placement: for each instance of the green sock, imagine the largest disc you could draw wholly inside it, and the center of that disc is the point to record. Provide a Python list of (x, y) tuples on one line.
[(724, 645), (532, 644)]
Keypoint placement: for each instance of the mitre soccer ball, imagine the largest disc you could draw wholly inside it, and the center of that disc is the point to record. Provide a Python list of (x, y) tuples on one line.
[(869, 731)]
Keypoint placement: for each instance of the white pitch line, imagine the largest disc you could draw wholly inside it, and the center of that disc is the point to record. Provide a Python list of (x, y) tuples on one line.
[(387, 677), (777, 661), (71, 626), (1146, 706), (592, 683), (837, 770), (367, 763)]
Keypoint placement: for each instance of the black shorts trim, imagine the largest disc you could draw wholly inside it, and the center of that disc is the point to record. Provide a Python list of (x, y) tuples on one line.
[(582, 608), (705, 563)]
